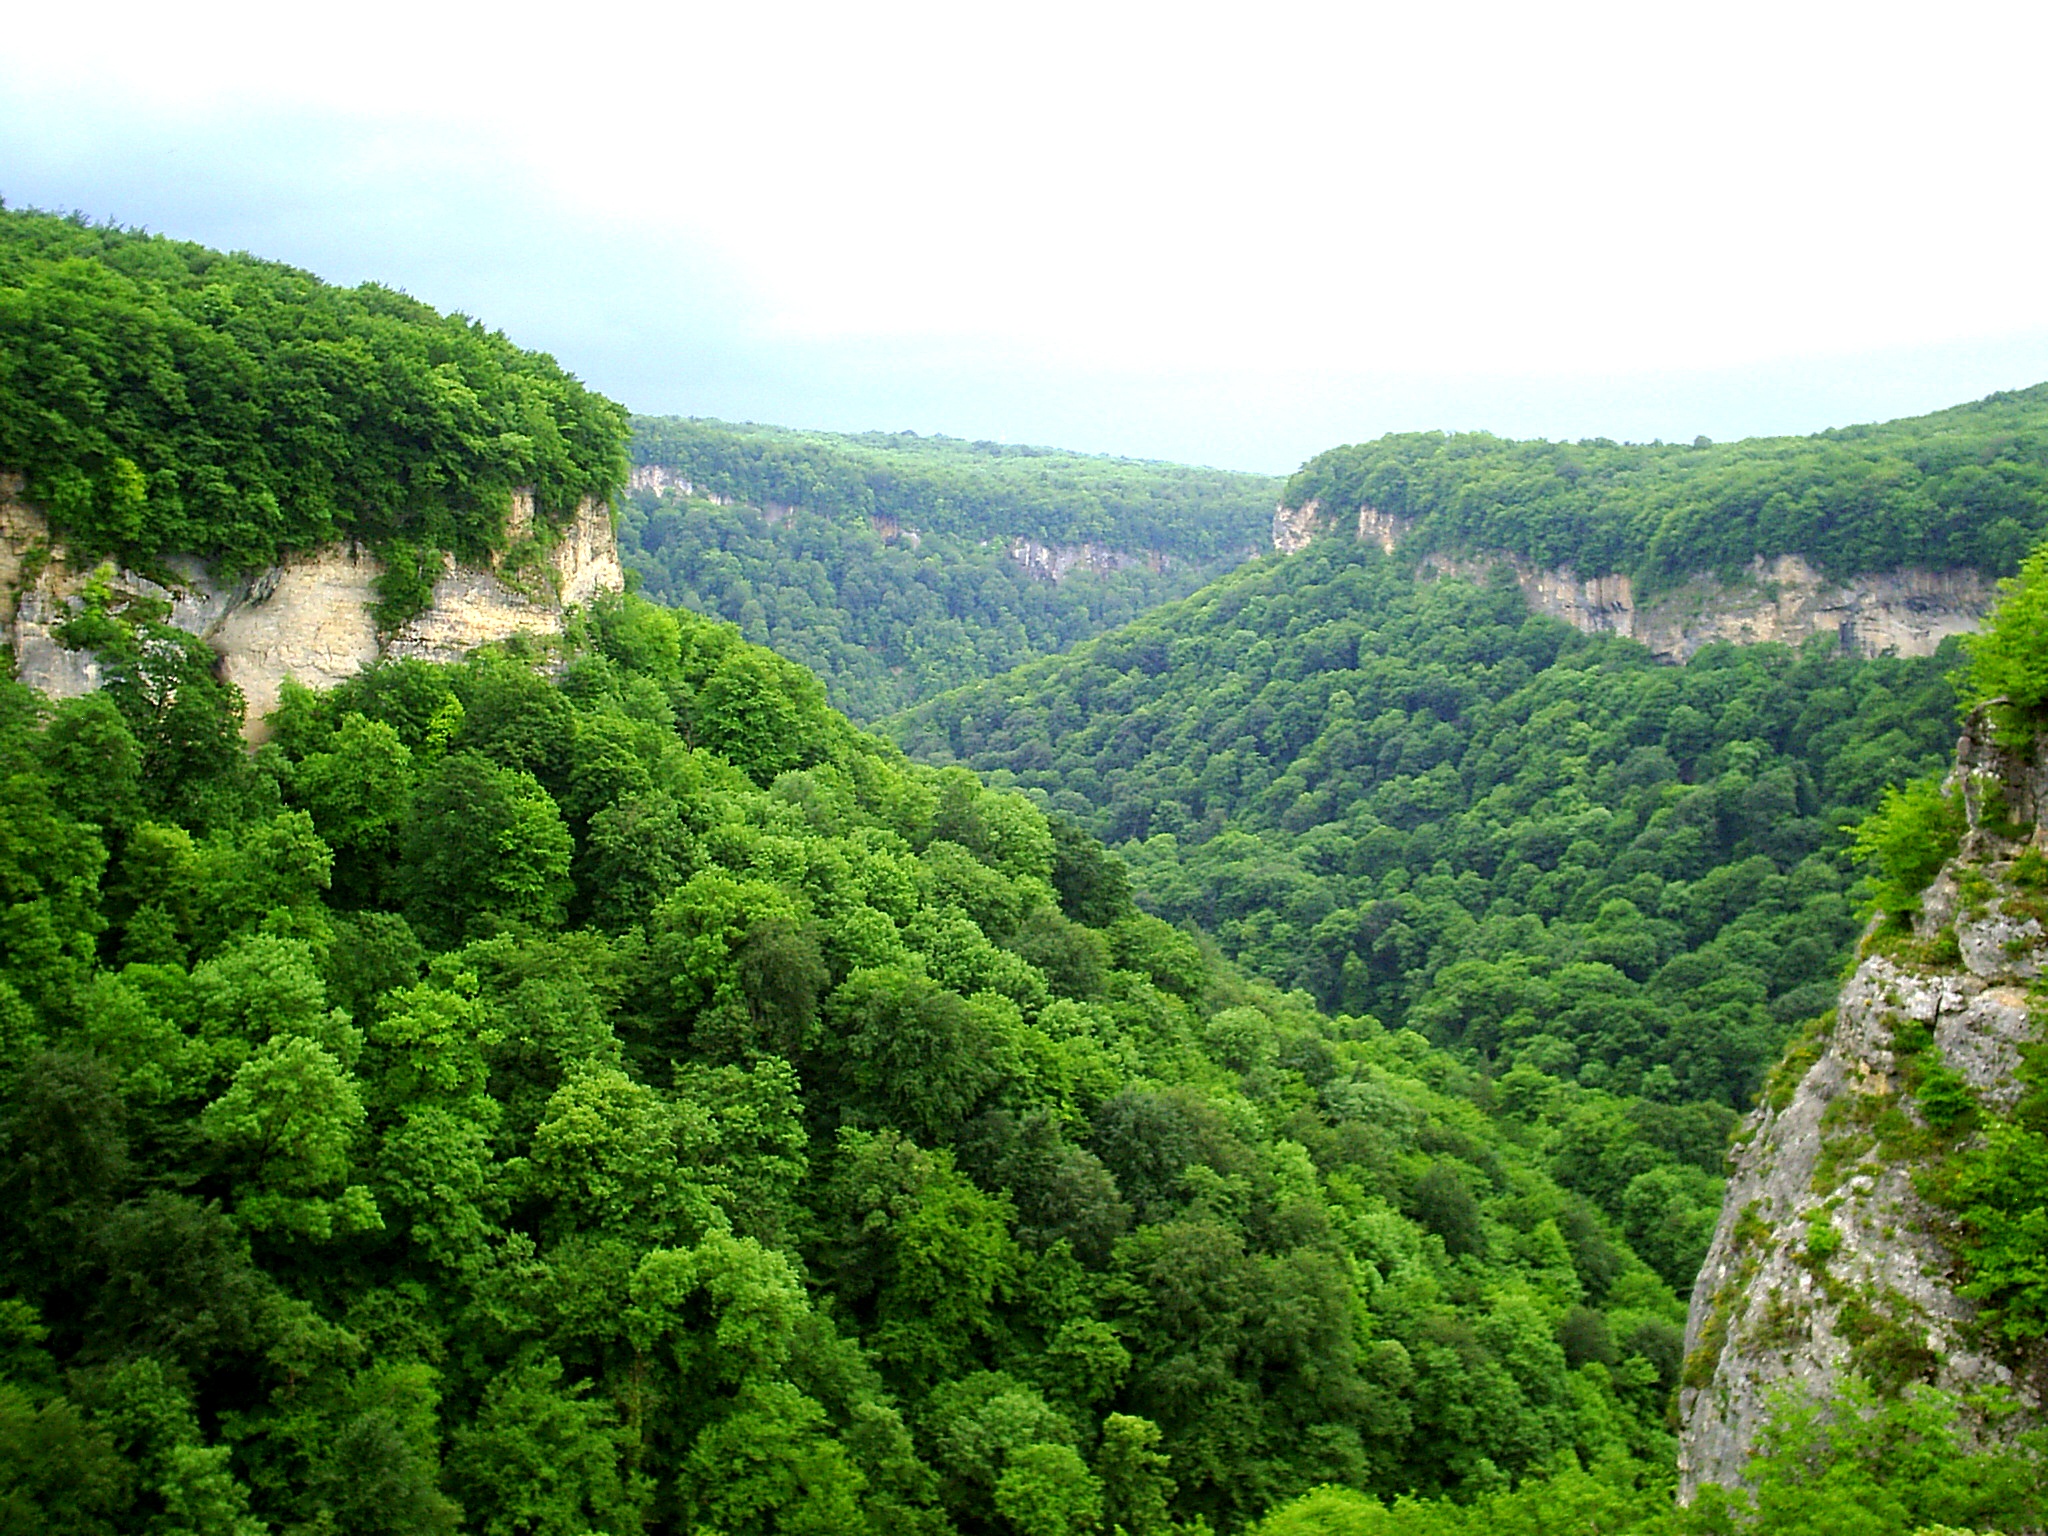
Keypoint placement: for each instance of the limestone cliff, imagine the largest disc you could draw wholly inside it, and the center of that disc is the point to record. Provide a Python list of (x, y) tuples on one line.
[(1827, 1260), (659, 477), (309, 618), (1904, 613), (1056, 562)]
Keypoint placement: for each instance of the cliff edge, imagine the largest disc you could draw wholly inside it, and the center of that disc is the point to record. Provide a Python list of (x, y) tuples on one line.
[(1901, 613), (1830, 1261), (309, 617)]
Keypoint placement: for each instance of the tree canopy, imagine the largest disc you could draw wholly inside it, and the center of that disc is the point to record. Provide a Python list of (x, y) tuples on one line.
[(163, 398), (632, 1098), (1964, 487)]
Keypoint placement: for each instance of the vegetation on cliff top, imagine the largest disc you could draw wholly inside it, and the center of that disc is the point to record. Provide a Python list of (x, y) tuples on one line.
[(163, 398), (1965, 487), (884, 564), (977, 490)]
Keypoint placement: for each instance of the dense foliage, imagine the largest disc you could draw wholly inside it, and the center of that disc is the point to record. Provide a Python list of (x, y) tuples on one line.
[(980, 490), (1856, 1468), (163, 398), (806, 548), (883, 624), (1418, 802), (1962, 487), (633, 1099), (2009, 658)]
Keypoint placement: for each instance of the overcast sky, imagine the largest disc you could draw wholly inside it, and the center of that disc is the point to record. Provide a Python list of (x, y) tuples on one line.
[(1226, 237)]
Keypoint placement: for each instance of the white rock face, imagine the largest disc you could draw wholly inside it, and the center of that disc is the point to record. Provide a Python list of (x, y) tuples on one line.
[(1056, 562), (1294, 527), (659, 478), (309, 618), (1770, 1311), (1899, 613), (1381, 528)]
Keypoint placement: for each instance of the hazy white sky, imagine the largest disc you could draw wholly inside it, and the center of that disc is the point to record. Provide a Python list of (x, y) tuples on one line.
[(1232, 237)]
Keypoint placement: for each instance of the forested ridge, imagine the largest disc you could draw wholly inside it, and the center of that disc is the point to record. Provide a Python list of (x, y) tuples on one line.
[(163, 398), (1418, 801), (978, 490), (883, 561), (1964, 487)]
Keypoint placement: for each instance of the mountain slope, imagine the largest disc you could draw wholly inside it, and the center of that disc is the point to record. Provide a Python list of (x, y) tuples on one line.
[(898, 566), (637, 1093), (1416, 800)]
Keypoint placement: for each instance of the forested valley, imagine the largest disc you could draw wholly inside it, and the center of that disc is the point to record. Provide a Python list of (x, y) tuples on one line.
[(886, 563), (1266, 1070), (1415, 800)]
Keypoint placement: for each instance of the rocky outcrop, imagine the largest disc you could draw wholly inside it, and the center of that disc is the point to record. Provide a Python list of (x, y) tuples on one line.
[(890, 530), (1827, 1260), (308, 618), (1294, 527), (1901, 613), (1382, 528), (659, 478), (1056, 562), (1896, 613)]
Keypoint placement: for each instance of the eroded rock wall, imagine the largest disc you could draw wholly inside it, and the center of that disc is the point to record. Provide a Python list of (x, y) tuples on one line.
[(1826, 1260), (308, 618), (1902, 613), (1056, 562)]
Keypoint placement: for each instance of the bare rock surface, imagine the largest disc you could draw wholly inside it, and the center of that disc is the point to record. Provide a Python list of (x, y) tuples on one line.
[(1827, 1261), (1056, 562), (1901, 613), (309, 617)]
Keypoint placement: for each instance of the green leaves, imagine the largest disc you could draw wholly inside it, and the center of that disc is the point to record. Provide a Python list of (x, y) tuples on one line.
[(169, 399), (2008, 671), (289, 1120), (1912, 833)]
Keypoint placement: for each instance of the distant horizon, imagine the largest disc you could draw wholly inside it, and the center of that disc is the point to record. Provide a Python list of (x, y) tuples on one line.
[(1187, 243), (1865, 391), (852, 433)]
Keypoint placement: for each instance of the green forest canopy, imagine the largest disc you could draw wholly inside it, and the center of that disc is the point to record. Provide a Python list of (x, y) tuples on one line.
[(977, 490), (162, 398), (807, 550), (1416, 800), (1964, 487), (629, 1097)]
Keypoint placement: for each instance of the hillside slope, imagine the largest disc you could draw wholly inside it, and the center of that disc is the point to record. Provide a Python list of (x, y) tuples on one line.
[(636, 1094), (1415, 799), (897, 566)]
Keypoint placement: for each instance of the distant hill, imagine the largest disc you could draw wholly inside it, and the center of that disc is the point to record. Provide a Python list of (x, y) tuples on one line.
[(1965, 488), (163, 398), (897, 566)]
